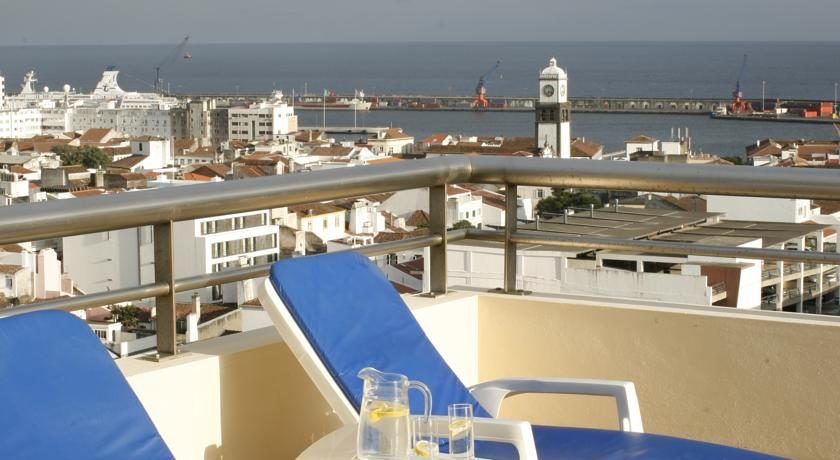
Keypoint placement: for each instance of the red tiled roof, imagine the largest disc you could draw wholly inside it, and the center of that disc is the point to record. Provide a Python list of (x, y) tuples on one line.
[(418, 218), (205, 152), (581, 148), (95, 135), (395, 133), (128, 162), (331, 151), (213, 169), (208, 311), (16, 169), (185, 144), (384, 160), (89, 192), (455, 190), (384, 237), (10, 269), (11, 248), (250, 171), (403, 289), (641, 139), (315, 209), (434, 138), (196, 177)]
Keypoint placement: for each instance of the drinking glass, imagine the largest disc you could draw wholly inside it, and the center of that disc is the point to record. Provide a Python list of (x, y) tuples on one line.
[(461, 445), (424, 441)]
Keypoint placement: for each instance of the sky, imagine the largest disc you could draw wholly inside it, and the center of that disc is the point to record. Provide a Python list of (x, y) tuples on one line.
[(39, 22)]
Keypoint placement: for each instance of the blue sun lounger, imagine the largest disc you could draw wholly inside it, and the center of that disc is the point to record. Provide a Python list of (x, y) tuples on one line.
[(64, 398), (339, 314)]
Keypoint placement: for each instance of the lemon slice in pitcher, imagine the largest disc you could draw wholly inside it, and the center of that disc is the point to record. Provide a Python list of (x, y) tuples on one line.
[(383, 409)]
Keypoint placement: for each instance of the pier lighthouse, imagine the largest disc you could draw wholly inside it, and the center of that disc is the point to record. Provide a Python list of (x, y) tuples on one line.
[(553, 126)]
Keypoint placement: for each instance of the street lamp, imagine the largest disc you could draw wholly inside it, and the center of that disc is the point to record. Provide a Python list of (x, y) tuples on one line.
[(763, 85)]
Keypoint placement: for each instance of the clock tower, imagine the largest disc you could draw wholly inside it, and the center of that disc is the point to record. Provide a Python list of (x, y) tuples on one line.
[(553, 127)]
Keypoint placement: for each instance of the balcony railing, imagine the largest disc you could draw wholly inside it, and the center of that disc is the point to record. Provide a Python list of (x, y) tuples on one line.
[(161, 207)]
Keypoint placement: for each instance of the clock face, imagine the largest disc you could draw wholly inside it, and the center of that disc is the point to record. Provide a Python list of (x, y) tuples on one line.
[(562, 90), (548, 90)]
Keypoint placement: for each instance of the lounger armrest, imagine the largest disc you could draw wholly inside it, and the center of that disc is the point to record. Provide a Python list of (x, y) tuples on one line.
[(515, 432), (491, 394)]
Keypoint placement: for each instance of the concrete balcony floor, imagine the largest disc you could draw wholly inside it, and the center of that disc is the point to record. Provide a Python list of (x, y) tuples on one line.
[(750, 379)]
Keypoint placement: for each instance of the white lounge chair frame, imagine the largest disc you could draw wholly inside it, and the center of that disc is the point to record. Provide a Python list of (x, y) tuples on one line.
[(489, 394)]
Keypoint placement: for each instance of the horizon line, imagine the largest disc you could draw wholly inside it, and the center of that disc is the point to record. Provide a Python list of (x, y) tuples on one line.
[(427, 42)]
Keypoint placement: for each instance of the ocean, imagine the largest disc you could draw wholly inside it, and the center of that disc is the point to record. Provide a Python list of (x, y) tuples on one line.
[(790, 70)]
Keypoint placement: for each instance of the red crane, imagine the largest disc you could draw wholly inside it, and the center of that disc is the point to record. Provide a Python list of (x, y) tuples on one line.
[(480, 92), (739, 105)]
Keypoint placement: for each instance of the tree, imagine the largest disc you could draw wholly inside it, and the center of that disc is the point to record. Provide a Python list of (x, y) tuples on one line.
[(128, 315), (89, 157), (561, 199), (462, 224)]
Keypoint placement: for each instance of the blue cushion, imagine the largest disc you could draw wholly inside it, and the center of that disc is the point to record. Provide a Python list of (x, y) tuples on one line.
[(63, 396), (354, 318), (576, 443), (556, 443)]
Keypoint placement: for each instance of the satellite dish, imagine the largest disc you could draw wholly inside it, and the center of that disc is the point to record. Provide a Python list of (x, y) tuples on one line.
[(66, 88), (46, 89)]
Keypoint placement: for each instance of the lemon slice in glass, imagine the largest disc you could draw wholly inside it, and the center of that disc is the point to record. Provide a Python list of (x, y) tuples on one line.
[(423, 448), (458, 427)]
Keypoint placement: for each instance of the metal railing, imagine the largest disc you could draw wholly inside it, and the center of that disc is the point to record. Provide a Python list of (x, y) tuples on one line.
[(161, 207)]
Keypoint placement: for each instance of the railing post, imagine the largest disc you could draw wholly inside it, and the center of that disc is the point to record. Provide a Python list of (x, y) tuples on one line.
[(511, 199), (437, 254), (165, 304)]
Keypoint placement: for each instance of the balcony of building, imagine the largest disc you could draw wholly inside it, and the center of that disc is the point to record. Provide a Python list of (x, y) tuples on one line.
[(743, 377)]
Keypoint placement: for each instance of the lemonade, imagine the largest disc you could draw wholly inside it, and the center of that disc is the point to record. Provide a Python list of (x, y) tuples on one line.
[(461, 439), (385, 435)]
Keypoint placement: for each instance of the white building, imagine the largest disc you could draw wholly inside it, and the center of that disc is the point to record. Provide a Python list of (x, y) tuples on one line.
[(325, 220), (215, 244), (20, 123), (14, 281), (156, 150), (553, 112), (761, 209), (365, 218), (641, 143), (264, 120), (202, 246), (132, 122), (390, 142)]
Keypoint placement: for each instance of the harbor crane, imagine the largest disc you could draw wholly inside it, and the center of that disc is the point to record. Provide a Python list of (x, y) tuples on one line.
[(739, 105), (170, 59), (480, 91)]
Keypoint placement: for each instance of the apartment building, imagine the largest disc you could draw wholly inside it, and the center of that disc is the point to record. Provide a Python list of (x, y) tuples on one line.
[(202, 246), (264, 120)]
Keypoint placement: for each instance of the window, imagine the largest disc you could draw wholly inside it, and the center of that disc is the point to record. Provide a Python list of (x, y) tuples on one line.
[(540, 193), (337, 221), (9, 283), (141, 146), (309, 226)]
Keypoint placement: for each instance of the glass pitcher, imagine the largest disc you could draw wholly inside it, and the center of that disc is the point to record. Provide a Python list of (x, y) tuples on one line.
[(384, 430)]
